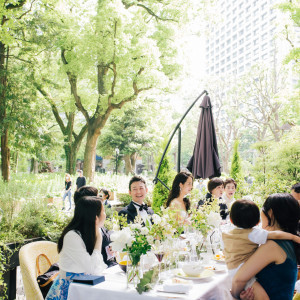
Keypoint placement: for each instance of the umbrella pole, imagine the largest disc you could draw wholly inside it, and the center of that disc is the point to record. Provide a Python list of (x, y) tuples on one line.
[(156, 179), (179, 150)]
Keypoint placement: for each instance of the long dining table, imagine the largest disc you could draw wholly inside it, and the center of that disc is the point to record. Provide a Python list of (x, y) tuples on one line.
[(115, 287)]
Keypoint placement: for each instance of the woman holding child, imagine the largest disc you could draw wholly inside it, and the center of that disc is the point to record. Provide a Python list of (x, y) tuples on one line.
[(275, 263), (182, 185)]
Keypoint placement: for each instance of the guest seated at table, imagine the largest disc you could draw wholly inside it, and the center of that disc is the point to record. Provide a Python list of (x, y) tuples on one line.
[(104, 195), (295, 191), (275, 263), (107, 253), (79, 246), (182, 185), (138, 191), (241, 242), (215, 188), (229, 191)]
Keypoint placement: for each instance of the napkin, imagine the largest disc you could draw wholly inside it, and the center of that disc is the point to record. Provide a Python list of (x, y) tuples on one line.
[(181, 287)]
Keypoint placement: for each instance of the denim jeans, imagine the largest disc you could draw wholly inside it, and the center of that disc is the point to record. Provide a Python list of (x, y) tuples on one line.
[(69, 194)]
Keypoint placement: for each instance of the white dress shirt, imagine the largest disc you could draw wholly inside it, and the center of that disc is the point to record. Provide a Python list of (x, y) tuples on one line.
[(75, 258), (143, 213)]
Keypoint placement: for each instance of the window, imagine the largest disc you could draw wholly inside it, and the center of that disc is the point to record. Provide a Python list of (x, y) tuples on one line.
[(234, 28), (264, 16), (222, 70), (265, 56), (255, 12), (241, 22), (264, 46), (228, 42), (234, 45), (255, 32), (217, 66), (263, 6), (248, 46), (248, 65), (248, 8), (241, 41), (211, 69), (228, 67), (241, 69), (255, 52), (228, 50), (234, 20), (264, 36), (223, 62), (234, 37), (248, 55), (228, 58), (255, 42), (234, 54), (241, 51), (217, 41), (241, 32), (234, 64), (255, 22), (248, 37), (217, 49), (241, 60), (241, 5), (264, 26), (248, 27), (217, 57)]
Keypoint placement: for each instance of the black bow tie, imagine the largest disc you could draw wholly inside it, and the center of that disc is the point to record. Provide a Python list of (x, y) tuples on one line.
[(142, 206)]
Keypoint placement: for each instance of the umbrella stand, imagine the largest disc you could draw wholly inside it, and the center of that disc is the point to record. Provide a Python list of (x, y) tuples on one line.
[(156, 179)]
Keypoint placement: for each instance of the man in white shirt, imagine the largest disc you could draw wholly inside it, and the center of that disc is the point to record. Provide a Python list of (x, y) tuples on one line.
[(138, 191)]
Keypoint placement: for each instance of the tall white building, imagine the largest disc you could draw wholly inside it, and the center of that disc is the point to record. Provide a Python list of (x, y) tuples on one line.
[(243, 36)]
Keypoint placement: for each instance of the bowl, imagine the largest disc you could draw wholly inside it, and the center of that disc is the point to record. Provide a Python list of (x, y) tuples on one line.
[(192, 269), (123, 265)]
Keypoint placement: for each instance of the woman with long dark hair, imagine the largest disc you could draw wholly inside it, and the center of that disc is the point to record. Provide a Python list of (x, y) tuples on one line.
[(275, 263), (79, 246), (182, 185)]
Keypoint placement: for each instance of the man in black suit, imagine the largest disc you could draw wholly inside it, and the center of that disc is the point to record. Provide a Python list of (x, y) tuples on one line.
[(138, 191)]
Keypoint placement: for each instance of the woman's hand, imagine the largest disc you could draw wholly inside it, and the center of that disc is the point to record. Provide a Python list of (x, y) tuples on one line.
[(247, 295)]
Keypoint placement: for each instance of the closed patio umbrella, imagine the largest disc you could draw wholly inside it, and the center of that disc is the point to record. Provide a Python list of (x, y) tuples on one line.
[(205, 160)]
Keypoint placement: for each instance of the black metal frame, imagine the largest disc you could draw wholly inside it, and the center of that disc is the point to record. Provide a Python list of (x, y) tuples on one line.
[(156, 179)]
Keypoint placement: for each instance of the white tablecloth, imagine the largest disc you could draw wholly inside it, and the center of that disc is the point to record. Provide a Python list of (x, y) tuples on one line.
[(114, 288)]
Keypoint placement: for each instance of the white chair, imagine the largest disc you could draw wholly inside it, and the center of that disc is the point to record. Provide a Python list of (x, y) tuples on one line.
[(27, 256)]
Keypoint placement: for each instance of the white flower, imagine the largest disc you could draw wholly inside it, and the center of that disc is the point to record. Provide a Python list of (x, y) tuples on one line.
[(156, 219), (135, 226), (149, 239), (144, 231), (120, 239), (214, 219)]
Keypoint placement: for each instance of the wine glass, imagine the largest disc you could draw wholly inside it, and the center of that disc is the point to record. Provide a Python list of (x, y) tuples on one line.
[(159, 253)]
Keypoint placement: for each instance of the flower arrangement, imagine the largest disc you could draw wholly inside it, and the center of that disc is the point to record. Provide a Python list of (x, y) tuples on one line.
[(161, 229), (206, 217), (134, 240)]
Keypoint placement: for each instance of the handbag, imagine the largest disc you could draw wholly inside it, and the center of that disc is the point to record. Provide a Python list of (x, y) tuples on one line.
[(45, 280)]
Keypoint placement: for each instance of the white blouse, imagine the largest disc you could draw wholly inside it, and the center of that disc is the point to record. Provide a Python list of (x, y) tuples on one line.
[(75, 258)]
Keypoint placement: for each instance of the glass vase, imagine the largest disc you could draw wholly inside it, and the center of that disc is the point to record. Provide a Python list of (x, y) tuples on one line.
[(133, 271)]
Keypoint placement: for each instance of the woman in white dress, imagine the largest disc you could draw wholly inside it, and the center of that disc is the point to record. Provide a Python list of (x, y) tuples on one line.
[(182, 185), (79, 246)]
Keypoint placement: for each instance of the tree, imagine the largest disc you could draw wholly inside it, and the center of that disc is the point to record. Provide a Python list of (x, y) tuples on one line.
[(236, 166), (10, 15), (129, 130), (166, 175)]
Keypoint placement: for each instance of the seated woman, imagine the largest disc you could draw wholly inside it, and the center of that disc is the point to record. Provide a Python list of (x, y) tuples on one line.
[(229, 191), (108, 255), (215, 188), (104, 195), (182, 185), (79, 246), (275, 263)]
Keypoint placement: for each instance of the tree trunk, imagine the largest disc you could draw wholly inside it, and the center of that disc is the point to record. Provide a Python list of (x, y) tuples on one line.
[(34, 166), (5, 156), (90, 153), (5, 151), (70, 152), (133, 157), (128, 166)]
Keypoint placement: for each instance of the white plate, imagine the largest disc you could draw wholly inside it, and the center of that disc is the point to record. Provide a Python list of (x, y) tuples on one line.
[(193, 278), (222, 261), (217, 268)]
